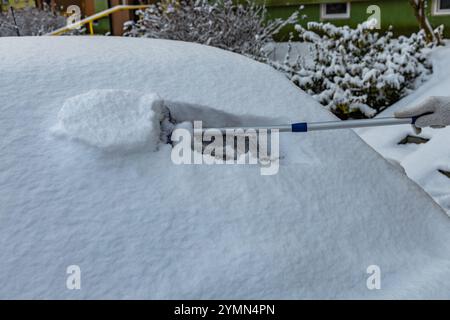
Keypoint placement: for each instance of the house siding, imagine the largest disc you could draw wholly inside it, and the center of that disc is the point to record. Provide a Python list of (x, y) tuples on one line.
[(101, 26), (16, 4), (397, 13)]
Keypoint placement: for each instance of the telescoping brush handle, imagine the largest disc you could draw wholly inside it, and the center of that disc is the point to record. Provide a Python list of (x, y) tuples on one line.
[(333, 125), (328, 125)]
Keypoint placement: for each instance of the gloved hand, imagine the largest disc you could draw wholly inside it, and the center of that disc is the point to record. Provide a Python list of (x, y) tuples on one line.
[(439, 107)]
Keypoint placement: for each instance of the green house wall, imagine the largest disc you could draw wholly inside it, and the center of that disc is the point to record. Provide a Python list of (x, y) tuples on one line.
[(101, 26), (397, 13)]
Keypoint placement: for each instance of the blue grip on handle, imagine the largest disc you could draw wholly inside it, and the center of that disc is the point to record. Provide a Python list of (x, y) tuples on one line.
[(414, 119), (300, 127)]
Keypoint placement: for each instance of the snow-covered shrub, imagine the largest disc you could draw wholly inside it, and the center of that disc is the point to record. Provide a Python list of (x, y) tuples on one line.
[(29, 22), (239, 27), (357, 72)]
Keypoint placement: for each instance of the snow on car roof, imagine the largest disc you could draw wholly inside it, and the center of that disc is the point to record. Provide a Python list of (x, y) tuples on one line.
[(139, 226)]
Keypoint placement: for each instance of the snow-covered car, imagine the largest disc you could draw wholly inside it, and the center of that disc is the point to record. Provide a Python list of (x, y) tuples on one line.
[(139, 226)]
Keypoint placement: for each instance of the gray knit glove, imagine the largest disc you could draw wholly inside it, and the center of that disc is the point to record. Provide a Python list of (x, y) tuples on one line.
[(439, 107)]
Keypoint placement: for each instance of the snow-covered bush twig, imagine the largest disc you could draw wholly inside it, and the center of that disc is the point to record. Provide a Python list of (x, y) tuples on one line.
[(357, 72), (419, 7), (29, 22), (242, 28)]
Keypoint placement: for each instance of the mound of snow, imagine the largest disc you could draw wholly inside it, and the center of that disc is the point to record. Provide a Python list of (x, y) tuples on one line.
[(424, 162), (139, 226), (112, 119)]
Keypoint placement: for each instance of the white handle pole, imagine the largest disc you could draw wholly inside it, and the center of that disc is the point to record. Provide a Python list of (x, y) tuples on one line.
[(316, 126), (377, 122)]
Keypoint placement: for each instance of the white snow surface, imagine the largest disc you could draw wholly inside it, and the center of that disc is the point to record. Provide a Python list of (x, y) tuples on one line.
[(421, 162), (139, 226), (112, 119)]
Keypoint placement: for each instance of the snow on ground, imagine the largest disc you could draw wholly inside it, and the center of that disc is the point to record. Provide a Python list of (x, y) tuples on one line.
[(141, 227), (421, 162)]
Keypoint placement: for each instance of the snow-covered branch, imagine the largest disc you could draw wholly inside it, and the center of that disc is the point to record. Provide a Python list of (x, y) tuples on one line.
[(29, 22), (242, 28), (432, 36)]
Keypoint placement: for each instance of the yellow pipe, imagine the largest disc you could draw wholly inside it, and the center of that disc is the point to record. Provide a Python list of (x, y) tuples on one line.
[(91, 28), (89, 20)]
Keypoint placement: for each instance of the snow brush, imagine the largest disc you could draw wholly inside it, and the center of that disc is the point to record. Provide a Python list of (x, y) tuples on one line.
[(329, 125)]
